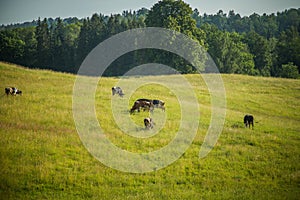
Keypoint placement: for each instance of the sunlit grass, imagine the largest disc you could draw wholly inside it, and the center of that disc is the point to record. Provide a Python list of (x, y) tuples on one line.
[(42, 156)]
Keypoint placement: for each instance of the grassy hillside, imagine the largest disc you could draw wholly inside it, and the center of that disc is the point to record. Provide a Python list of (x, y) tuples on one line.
[(42, 156)]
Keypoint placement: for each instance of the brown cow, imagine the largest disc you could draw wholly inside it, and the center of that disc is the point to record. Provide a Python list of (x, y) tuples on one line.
[(156, 103), (146, 105)]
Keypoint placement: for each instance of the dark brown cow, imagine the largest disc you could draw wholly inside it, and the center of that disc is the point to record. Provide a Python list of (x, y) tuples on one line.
[(146, 105), (156, 103)]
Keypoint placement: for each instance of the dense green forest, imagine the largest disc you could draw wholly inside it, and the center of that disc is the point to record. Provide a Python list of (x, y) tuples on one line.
[(264, 45)]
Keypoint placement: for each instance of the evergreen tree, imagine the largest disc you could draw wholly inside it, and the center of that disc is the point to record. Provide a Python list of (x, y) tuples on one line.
[(30, 46), (43, 44), (57, 45), (83, 42)]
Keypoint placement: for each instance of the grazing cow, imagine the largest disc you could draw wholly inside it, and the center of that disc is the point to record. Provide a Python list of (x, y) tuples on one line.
[(156, 103), (13, 91), (136, 106), (19, 92), (146, 105), (248, 120), (148, 123), (8, 91), (146, 100), (117, 90), (159, 104)]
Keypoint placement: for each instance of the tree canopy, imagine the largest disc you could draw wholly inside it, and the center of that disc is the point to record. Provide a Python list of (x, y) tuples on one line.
[(265, 45)]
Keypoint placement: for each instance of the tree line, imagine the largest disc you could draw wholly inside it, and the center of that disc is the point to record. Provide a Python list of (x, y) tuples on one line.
[(264, 45)]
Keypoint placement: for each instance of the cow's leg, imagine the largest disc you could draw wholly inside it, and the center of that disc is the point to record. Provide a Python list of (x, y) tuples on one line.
[(151, 109)]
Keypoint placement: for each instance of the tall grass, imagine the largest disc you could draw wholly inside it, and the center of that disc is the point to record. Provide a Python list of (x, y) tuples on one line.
[(42, 157)]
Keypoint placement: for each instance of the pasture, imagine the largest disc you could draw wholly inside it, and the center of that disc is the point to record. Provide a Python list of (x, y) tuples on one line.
[(42, 156)]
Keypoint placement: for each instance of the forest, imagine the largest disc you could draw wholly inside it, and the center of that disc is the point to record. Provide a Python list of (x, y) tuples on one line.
[(259, 45)]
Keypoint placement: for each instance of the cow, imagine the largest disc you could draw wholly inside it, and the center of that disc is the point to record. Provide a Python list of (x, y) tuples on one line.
[(146, 104), (156, 103), (148, 122), (159, 104), (19, 92), (248, 120), (8, 91), (117, 90), (12, 91), (146, 100), (138, 104)]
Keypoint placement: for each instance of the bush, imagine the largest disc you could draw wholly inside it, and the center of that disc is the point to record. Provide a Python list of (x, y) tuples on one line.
[(289, 71)]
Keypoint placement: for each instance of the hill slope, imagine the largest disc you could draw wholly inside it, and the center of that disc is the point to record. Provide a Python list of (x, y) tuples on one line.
[(42, 156)]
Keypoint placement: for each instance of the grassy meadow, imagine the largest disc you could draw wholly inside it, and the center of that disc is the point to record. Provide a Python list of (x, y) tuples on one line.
[(42, 156)]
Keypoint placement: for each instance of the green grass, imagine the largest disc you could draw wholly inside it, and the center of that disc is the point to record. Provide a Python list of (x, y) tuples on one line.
[(42, 156)]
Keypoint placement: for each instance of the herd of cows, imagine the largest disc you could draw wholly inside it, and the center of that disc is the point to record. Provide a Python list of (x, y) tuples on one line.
[(144, 104), (149, 105)]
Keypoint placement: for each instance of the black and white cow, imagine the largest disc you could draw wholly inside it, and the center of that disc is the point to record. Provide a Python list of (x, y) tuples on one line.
[(148, 122), (159, 104), (19, 92), (248, 120), (12, 91), (117, 90), (8, 90)]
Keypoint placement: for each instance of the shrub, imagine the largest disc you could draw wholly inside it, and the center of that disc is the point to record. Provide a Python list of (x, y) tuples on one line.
[(289, 71)]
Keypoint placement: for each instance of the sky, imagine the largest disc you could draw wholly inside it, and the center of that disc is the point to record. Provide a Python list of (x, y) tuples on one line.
[(18, 11)]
